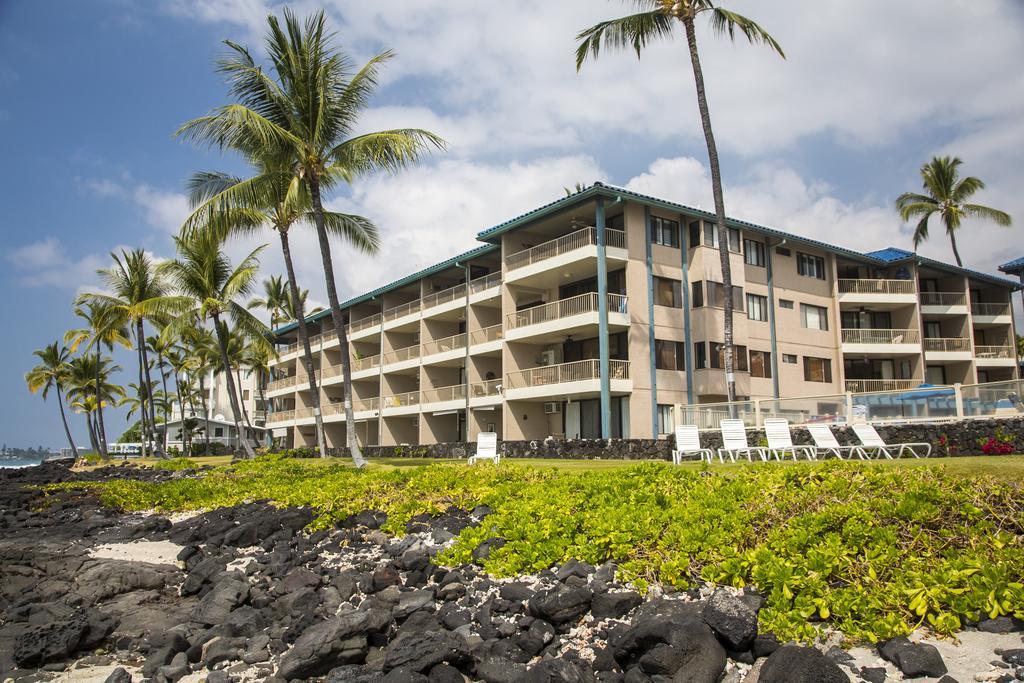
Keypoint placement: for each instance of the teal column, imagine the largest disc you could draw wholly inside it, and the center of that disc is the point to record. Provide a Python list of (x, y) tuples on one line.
[(684, 248), (602, 316), (650, 324), (771, 317)]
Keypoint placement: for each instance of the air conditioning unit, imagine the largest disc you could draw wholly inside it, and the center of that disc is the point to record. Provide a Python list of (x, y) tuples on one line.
[(552, 408), (547, 357)]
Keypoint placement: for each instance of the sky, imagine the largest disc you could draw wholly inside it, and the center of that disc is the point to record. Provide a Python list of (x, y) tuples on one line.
[(819, 143)]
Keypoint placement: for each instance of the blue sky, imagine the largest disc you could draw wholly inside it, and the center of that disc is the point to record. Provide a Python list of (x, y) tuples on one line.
[(819, 144)]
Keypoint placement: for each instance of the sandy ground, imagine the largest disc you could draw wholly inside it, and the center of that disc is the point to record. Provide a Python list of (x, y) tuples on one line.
[(968, 658), (152, 552)]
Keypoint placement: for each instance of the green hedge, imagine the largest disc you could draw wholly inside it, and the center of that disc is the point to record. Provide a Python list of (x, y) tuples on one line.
[(873, 551)]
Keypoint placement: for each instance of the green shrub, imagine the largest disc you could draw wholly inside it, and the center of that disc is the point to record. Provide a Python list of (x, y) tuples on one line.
[(874, 551), (175, 464)]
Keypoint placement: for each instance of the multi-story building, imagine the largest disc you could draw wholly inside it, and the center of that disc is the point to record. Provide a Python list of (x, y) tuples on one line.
[(596, 314), (251, 396)]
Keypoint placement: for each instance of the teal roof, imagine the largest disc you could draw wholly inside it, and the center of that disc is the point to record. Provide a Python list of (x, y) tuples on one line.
[(1014, 267)]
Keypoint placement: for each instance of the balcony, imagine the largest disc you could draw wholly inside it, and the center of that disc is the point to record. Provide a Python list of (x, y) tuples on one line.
[(544, 264), (444, 399), (444, 351), (402, 359), (364, 327), (943, 303), (365, 367), (881, 293), (983, 314), (486, 341), (580, 379), (994, 356), (947, 349), (281, 384), (485, 393), (334, 411), (280, 417), (858, 386), (565, 317), (401, 404), (881, 342), (398, 316), (485, 288)]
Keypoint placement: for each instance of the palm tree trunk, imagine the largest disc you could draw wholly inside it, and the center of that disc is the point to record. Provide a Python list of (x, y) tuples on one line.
[(157, 449), (338, 319), (307, 352), (232, 394), (64, 419), (163, 381), (99, 411), (245, 410), (186, 437), (716, 190), (956, 252), (144, 450), (92, 431), (206, 412)]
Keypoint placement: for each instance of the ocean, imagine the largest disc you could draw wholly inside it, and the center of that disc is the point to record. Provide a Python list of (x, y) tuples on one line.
[(18, 462)]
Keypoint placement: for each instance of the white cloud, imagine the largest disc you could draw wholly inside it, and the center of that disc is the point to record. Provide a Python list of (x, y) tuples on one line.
[(161, 209), (46, 263)]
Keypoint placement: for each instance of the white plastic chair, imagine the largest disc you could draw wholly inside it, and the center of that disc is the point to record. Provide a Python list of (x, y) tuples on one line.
[(873, 443), (486, 448), (734, 442), (688, 443), (825, 443), (780, 440)]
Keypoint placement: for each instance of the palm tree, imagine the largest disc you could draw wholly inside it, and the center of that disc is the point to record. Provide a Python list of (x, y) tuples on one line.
[(947, 195), (103, 328), (274, 300), (202, 355), (160, 346), (89, 389), (208, 290), (52, 373), (134, 279), (657, 21), (307, 115), (256, 358)]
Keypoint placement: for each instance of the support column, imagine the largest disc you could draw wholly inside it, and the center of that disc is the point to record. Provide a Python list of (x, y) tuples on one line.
[(684, 249), (602, 315), (768, 250), (650, 324)]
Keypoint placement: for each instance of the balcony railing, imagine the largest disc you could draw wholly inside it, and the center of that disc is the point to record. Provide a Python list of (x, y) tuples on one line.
[(444, 296), (991, 352), (453, 343), (484, 389), (364, 323), (566, 372), (456, 392), (399, 355), (358, 405), (562, 245), (282, 383), (856, 336), (564, 308), (280, 416), (403, 310), (359, 364), (867, 286), (483, 283), (947, 344), (487, 334), (301, 413), (863, 385), (411, 398), (990, 309), (943, 299)]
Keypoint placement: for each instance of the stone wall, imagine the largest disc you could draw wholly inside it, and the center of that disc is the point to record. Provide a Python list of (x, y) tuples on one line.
[(963, 438)]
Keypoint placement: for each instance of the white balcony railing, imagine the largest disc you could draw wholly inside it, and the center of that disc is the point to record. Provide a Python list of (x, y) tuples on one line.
[(403, 310), (367, 363), (456, 392), (400, 355), (483, 283), (867, 385), (564, 308), (411, 398), (485, 389), (993, 352), (562, 245), (444, 296), (943, 299), (453, 343), (947, 344), (280, 416), (282, 383), (868, 286), (990, 309), (487, 334), (855, 336), (566, 372), (364, 323)]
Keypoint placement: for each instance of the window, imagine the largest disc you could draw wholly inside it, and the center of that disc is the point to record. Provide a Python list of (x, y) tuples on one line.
[(715, 299), (668, 292), (933, 330), (785, 303), (757, 307), (810, 266), (700, 355), (697, 295), (739, 357), (245, 394), (707, 232), (734, 240), (218, 432), (813, 317), (710, 235), (666, 419), (694, 233), (754, 253), (789, 358), (783, 251), (664, 232), (669, 355), (817, 369), (760, 364)]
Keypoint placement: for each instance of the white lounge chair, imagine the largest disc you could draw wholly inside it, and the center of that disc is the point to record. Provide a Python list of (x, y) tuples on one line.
[(486, 448), (780, 440), (873, 443), (734, 442), (826, 444), (688, 443)]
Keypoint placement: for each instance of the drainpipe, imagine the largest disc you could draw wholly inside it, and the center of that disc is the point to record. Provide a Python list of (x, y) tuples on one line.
[(769, 250), (684, 248), (602, 316), (650, 324)]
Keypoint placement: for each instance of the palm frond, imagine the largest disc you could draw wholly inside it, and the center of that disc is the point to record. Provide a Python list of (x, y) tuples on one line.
[(725, 22), (358, 231), (635, 31), (1000, 218), (387, 150)]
